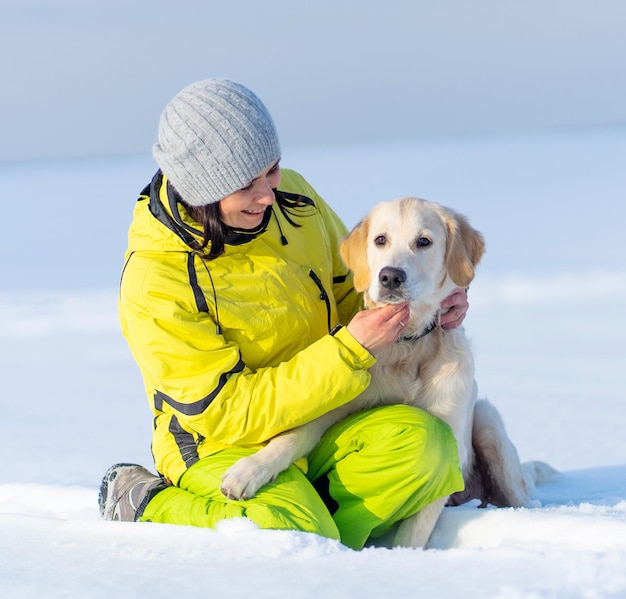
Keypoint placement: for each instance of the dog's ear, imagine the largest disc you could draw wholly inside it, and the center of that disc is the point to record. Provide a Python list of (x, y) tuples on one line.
[(465, 247), (353, 251)]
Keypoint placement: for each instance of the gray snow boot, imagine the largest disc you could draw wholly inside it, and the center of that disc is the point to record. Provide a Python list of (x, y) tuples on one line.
[(126, 490)]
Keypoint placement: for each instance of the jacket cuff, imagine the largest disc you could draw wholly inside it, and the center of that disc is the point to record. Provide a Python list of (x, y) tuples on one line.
[(362, 357)]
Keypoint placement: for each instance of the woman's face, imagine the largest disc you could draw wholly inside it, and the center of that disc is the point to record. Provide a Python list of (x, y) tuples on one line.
[(244, 208)]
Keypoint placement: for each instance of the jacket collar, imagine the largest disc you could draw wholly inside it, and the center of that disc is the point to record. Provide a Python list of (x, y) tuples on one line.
[(164, 204)]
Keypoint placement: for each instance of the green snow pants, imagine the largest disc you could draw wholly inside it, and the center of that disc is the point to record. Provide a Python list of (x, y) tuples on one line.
[(375, 467)]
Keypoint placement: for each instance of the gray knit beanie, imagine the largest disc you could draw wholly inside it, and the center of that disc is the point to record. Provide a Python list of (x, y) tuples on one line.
[(215, 136)]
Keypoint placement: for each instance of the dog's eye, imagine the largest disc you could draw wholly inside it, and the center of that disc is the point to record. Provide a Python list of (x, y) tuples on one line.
[(380, 240), (422, 242)]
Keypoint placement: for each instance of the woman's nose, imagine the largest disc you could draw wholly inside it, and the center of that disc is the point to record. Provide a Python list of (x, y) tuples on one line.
[(265, 193)]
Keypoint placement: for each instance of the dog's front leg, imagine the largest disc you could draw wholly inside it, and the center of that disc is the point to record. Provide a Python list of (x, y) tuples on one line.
[(416, 530), (246, 476)]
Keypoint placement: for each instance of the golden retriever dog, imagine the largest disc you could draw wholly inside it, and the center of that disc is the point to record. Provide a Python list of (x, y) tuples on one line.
[(416, 251)]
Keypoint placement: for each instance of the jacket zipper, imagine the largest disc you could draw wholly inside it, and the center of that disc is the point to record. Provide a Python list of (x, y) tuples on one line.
[(323, 294)]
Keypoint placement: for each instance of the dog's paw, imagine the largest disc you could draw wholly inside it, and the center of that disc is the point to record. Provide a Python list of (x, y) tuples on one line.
[(244, 478)]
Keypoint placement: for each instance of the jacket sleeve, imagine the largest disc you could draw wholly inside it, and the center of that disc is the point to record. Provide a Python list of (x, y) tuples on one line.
[(194, 373)]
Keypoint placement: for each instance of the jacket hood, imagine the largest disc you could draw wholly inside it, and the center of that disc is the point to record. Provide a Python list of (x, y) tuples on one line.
[(162, 223)]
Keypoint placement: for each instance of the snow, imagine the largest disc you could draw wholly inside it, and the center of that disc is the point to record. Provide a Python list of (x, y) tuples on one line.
[(547, 326)]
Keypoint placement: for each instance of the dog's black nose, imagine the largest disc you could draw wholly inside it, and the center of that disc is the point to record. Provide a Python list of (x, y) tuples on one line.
[(391, 278)]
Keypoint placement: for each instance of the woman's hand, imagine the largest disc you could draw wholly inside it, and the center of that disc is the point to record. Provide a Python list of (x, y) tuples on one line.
[(378, 328), (453, 309)]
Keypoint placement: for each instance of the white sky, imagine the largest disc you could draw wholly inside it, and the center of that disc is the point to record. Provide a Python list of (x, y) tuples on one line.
[(89, 78)]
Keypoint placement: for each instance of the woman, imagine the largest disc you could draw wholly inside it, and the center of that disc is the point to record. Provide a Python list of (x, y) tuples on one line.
[(232, 299)]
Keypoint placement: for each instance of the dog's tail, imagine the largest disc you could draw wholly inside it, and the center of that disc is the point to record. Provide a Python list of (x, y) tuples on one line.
[(537, 473)]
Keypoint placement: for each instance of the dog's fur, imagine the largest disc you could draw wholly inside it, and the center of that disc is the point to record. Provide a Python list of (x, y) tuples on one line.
[(417, 251)]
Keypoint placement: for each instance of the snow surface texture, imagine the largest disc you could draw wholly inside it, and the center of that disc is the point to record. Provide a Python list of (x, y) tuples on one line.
[(548, 328)]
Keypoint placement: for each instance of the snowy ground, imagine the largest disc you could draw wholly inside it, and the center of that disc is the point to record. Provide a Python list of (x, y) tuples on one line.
[(548, 328)]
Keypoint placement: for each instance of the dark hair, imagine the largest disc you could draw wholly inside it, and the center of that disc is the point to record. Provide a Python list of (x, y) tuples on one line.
[(215, 231)]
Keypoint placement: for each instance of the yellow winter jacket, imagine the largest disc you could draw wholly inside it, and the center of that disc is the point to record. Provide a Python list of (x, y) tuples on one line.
[(240, 348)]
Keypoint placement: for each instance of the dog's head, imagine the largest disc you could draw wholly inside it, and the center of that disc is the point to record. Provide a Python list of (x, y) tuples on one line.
[(411, 250)]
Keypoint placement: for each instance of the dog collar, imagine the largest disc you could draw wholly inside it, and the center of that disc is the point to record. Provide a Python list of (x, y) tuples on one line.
[(429, 329)]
